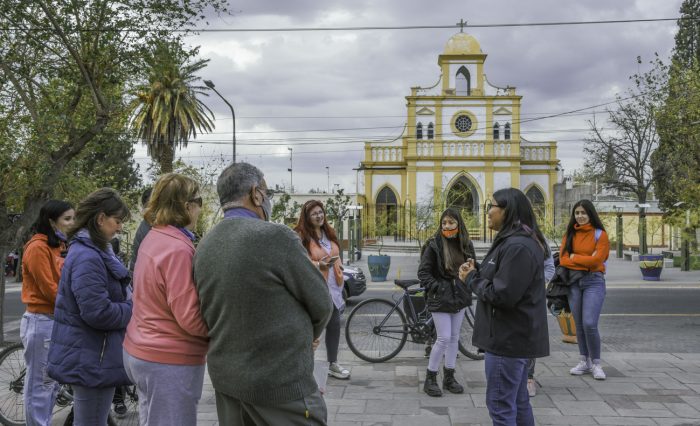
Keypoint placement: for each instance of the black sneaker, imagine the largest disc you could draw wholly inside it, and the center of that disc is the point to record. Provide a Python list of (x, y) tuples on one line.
[(120, 408)]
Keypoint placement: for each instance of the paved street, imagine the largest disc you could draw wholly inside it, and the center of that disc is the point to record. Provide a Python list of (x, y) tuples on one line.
[(651, 352)]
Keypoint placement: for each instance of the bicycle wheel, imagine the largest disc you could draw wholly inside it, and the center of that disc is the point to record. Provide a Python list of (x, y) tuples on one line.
[(465, 336), (131, 416), (375, 331), (12, 372)]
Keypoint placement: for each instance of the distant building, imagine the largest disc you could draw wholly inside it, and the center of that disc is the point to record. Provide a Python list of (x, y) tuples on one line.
[(461, 143)]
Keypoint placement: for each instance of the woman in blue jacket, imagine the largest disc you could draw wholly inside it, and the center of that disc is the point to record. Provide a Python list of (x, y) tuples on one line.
[(93, 308)]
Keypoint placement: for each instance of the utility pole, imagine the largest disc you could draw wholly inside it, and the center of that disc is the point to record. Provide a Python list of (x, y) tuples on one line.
[(291, 176)]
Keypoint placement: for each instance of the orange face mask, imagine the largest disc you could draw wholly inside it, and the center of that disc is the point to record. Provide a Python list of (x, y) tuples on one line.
[(450, 233)]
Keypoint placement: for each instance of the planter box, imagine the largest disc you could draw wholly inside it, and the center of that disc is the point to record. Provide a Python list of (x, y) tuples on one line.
[(651, 266)]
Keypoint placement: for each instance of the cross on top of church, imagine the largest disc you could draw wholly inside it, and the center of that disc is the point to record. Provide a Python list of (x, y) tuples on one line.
[(461, 24)]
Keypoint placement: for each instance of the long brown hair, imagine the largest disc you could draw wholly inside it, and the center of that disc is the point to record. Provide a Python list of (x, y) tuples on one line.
[(306, 229)]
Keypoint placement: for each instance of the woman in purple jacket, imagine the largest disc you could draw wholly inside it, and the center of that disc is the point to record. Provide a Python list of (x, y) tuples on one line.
[(93, 308)]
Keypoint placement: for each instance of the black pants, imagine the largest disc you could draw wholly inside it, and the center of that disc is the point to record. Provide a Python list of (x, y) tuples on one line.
[(333, 336)]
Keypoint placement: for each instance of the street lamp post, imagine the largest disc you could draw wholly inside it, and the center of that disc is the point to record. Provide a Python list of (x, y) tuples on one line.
[(685, 240), (328, 175), (210, 85), (618, 230), (643, 227)]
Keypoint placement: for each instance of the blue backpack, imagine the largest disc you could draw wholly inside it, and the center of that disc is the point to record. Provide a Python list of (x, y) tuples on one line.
[(598, 233)]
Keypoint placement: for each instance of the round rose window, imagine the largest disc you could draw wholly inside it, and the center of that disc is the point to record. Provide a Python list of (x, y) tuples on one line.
[(463, 123)]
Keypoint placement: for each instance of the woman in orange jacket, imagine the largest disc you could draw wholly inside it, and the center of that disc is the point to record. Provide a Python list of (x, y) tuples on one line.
[(585, 249), (41, 268)]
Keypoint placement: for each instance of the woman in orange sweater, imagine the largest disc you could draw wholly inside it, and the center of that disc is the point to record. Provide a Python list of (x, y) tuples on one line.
[(41, 268), (585, 248)]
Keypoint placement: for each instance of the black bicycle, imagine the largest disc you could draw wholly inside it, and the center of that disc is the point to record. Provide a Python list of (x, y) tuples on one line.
[(377, 329), (12, 373)]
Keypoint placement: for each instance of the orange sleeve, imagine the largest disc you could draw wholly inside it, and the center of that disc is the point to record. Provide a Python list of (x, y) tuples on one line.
[(45, 268)]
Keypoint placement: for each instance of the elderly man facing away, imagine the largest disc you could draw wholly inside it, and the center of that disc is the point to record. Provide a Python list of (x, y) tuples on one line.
[(265, 305)]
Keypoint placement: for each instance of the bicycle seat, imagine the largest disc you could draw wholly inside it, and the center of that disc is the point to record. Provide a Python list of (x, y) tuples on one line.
[(405, 284)]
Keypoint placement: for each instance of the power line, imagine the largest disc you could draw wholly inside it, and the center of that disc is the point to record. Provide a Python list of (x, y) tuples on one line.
[(361, 28)]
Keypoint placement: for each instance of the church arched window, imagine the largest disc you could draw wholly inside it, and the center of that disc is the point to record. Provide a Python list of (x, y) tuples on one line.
[(463, 85), (496, 131), (506, 131), (537, 201), (431, 131), (419, 131)]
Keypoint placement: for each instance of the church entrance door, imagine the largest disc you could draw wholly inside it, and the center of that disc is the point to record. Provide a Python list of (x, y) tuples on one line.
[(464, 197)]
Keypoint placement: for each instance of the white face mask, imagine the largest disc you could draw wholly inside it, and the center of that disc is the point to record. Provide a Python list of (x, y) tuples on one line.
[(267, 208)]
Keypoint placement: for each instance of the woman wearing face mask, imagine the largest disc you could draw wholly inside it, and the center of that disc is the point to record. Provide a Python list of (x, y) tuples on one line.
[(511, 316), (321, 243), (93, 308), (447, 296), (166, 341), (584, 250), (41, 269)]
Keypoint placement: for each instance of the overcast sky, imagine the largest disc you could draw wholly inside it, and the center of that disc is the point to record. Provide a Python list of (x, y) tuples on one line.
[(323, 93)]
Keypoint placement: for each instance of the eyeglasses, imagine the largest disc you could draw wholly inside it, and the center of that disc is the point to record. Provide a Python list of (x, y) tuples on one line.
[(197, 201), (489, 205), (268, 193)]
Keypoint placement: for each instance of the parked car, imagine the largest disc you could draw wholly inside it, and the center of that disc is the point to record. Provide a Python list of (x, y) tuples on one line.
[(355, 281)]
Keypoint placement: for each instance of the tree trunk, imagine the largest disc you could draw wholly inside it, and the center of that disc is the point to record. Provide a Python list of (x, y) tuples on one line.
[(166, 159), (4, 249)]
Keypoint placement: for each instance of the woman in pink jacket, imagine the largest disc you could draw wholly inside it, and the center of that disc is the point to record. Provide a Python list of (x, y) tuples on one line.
[(166, 340)]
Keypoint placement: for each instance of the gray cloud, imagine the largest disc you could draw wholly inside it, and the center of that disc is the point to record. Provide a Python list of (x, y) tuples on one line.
[(336, 75)]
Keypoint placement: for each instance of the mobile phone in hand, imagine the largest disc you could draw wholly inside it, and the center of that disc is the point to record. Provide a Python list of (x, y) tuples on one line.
[(332, 260)]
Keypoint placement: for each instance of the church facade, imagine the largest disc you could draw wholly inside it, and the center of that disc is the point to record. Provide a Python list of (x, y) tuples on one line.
[(461, 143)]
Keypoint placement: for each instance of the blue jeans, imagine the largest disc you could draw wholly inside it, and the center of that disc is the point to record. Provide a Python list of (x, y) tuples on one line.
[(91, 405), (506, 391), (39, 389), (586, 300)]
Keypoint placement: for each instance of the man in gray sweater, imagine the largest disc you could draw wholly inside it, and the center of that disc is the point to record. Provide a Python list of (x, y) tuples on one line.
[(265, 305)]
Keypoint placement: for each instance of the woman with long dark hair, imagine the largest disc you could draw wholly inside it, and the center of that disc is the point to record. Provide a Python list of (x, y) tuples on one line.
[(511, 316), (321, 243), (584, 250), (41, 270), (442, 277), (93, 308)]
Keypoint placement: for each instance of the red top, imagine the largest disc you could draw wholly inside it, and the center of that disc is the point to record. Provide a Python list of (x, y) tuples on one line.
[(166, 324), (584, 247)]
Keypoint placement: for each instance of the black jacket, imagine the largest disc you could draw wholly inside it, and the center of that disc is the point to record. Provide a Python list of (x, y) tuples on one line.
[(511, 313), (443, 292)]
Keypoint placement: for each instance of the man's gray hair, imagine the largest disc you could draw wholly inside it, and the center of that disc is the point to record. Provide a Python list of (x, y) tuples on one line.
[(236, 181)]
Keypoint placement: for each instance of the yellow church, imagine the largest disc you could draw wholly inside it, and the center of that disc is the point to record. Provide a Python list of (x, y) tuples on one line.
[(461, 143)]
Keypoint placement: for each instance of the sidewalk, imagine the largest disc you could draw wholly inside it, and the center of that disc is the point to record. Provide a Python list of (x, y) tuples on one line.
[(641, 389)]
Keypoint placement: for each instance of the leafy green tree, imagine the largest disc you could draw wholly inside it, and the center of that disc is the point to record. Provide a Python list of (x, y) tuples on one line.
[(166, 109), (676, 162), (284, 210), (65, 67), (687, 48)]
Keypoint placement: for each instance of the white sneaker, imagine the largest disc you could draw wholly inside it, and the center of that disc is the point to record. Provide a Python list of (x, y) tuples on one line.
[(598, 372), (582, 368), (338, 372), (531, 387)]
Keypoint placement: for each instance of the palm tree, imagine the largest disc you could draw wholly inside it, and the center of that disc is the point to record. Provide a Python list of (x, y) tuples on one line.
[(166, 112)]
